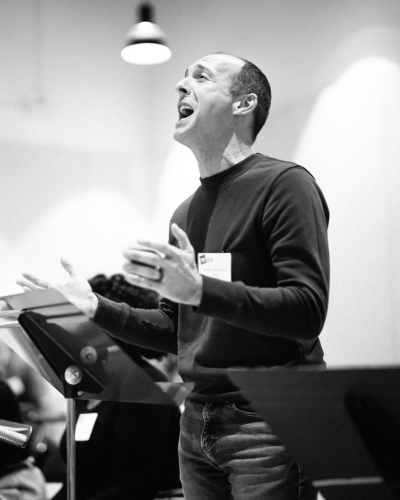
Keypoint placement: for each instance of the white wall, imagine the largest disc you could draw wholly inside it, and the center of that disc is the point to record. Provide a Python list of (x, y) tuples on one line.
[(87, 160), (350, 139)]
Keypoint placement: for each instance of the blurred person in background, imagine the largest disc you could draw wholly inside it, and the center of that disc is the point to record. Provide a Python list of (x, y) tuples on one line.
[(42, 406), (20, 478)]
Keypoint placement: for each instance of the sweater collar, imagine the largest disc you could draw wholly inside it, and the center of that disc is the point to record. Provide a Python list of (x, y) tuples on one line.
[(230, 173)]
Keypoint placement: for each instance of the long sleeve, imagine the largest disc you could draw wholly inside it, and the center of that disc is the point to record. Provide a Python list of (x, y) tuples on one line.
[(151, 328), (294, 226)]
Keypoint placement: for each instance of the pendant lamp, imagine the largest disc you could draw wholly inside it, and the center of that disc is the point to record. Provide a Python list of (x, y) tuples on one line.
[(146, 42)]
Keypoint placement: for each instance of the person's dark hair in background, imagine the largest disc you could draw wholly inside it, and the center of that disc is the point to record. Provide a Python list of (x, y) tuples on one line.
[(133, 448), (116, 288), (251, 79)]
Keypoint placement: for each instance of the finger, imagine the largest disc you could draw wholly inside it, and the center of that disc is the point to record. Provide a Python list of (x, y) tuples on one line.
[(67, 265), (133, 279), (162, 249), (147, 272), (145, 257), (34, 280), (27, 286), (181, 236)]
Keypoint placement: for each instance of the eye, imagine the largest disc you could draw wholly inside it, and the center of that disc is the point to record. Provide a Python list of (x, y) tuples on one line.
[(203, 76)]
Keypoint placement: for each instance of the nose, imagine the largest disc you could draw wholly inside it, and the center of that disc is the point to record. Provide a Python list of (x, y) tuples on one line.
[(182, 88)]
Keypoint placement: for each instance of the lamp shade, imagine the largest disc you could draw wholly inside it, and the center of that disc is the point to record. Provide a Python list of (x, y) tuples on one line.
[(146, 42)]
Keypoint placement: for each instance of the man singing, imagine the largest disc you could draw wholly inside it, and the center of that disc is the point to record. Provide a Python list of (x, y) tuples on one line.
[(244, 282)]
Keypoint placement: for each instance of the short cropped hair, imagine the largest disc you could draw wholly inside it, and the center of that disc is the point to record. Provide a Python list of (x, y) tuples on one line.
[(250, 79)]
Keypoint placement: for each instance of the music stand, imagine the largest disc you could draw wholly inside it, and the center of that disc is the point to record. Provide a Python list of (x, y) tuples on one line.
[(341, 425), (78, 359)]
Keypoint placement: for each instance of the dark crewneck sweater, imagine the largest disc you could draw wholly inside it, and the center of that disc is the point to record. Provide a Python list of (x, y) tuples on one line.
[(272, 217)]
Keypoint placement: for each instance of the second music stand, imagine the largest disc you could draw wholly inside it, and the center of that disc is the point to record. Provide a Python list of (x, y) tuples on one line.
[(341, 425)]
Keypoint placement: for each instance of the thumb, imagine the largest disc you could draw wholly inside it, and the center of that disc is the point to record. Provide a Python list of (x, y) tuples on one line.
[(67, 265), (181, 236)]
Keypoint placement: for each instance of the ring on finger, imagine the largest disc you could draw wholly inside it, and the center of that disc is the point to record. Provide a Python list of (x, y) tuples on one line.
[(160, 278)]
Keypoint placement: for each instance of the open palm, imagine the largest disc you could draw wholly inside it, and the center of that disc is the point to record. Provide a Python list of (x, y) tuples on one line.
[(75, 288)]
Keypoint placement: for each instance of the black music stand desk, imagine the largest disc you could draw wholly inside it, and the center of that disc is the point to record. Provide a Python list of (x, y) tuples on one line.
[(341, 425), (78, 359)]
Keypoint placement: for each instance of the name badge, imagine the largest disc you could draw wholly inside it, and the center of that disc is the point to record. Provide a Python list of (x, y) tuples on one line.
[(215, 265), (84, 426)]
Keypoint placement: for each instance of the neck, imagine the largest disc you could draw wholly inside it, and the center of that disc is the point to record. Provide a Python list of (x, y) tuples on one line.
[(213, 161)]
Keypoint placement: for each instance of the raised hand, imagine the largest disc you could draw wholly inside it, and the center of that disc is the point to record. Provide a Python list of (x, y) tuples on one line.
[(75, 288), (170, 271)]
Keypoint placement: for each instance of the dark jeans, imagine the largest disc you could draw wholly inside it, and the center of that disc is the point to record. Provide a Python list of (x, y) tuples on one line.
[(226, 453)]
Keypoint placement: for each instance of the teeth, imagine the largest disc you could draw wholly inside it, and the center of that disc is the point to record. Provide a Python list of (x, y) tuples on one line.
[(185, 110)]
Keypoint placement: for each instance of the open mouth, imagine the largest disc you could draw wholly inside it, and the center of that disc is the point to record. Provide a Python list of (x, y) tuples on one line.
[(185, 111)]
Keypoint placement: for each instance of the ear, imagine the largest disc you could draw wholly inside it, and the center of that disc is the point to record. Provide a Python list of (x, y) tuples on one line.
[(245, 104)]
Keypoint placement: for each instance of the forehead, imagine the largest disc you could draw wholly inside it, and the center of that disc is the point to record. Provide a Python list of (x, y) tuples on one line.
[(218, 64)]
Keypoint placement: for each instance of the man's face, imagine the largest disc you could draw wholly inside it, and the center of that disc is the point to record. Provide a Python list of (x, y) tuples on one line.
[(205, 103)]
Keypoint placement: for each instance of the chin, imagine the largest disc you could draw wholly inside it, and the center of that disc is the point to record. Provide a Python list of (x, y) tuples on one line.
[(179, 136)]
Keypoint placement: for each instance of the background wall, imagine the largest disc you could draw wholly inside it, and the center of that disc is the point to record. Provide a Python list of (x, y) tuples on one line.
[(88, 163)]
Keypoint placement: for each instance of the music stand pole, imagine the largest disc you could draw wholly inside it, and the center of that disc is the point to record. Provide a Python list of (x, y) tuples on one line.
[(71, 449)]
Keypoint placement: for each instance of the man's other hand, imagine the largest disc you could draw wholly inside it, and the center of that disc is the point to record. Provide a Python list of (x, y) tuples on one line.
[(75, 288)]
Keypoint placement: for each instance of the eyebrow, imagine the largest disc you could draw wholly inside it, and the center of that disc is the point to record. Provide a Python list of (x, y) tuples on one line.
[(198, 66)]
